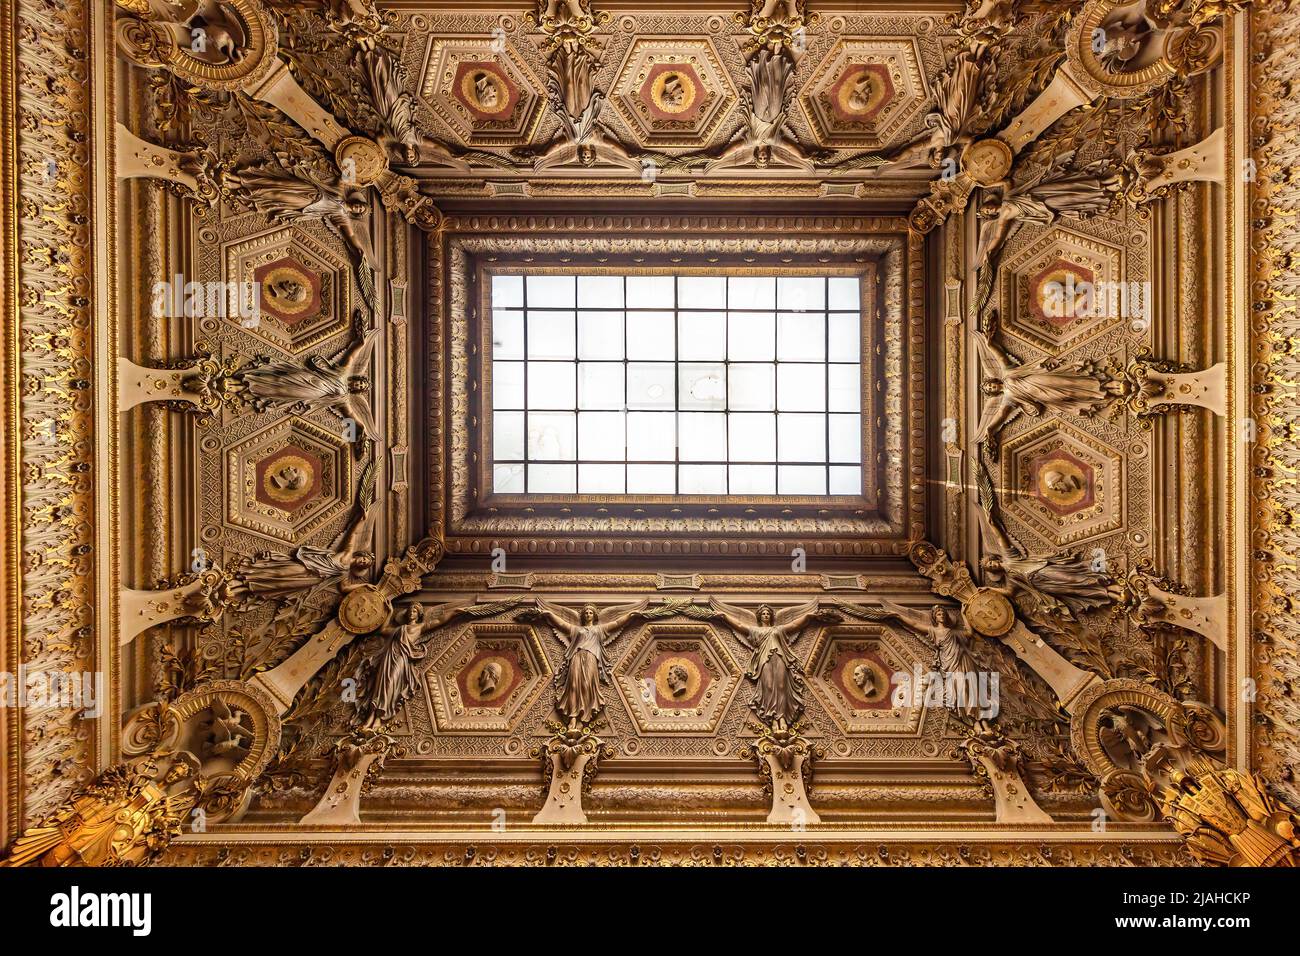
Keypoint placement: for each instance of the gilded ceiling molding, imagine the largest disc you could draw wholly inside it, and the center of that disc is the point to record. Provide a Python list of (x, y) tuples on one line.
[(1274, 205), (1152, 601)]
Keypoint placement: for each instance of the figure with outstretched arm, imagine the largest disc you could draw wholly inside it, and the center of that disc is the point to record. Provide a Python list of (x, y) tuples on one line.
[(772, 664)]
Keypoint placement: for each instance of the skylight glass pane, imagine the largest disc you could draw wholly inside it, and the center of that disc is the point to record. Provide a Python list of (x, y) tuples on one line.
[(508, 292), (702, 386), (650, 335), (551, 385), (552, 436), (507, 334), (508, 436), (661, 384), (751, 336), (600, 385), (600, 335)]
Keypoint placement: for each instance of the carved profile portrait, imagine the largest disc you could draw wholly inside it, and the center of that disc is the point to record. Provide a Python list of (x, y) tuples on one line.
[(678, 680), (488, 679)]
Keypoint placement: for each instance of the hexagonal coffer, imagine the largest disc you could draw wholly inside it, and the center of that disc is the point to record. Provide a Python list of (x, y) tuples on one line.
[(1060, 289), (852, 675), (482, 91), (864, 92), (677, 678), (288, 480), (672, 91), (1065, 484), (487, 678), (304, 289)]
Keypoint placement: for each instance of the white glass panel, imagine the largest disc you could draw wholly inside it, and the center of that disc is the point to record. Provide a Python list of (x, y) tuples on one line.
[(751, 292), (600, 436), (752, 437), (507, 292), (600, 292), (551, 479), (801, 388), (600, 385), (801, 338), (551, 292), (550, 385), (508, 436), (801, 293), (845, 388), (702, 387), (751, 336), (846, 481), (508, 479), (702, 480), (550, 335), (651, 436), (846, 438), (801, 438), (650, 335), (752, 388), (702, 292), (600, 335), (801, 480), (507, 384), (702, 436), (651, 479), (600, 479), (845, 293), (650, 385), (507, 335), (702, 336), (551, 436), (845, 337), (753, 480), (651, 292)]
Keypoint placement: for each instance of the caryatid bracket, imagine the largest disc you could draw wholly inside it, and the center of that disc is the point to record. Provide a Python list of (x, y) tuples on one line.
[(1154, 387), (358, 761), (200, 596), (203, 385), (999, 759), (989, 612), (1152, 600), (570, 758), (785, 759)]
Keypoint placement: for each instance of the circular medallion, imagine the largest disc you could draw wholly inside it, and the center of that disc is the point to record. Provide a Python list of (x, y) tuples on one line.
[(987, 161), (360, 160), (673, 91), (490, 678), (364, 610), (289, 290), (486, 90), (291, 480), (677, 681), (990, 613)]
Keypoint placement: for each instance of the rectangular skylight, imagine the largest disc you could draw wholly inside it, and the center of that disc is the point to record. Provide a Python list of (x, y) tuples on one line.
[(687, 384)]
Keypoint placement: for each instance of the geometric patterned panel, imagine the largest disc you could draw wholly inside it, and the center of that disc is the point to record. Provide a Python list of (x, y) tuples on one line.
[(673, 91), (864, 92), (1065, 484), (851, 672), (677, 678), (300, 287), (1062, 289), (487, 678), (487, 97), (288, 480)]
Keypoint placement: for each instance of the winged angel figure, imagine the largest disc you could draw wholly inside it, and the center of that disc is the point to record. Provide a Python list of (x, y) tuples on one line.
[(395, 104), (339, 384), (772, 664), (585, 634), (1035, 388)]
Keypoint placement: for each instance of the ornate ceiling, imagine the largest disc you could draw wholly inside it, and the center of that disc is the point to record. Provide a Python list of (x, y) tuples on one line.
[(250, 436)]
